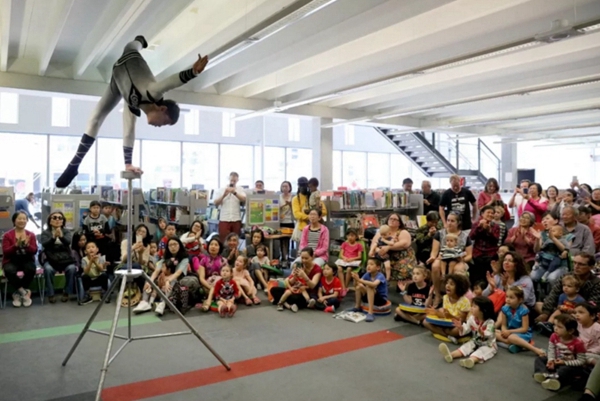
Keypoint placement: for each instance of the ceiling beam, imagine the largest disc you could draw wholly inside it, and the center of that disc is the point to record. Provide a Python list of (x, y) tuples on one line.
[(25, 27), (56, 23), (113, 23), (5, 9)]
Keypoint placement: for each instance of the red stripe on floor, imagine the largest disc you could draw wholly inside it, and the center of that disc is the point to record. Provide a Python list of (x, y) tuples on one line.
[(217, 374)]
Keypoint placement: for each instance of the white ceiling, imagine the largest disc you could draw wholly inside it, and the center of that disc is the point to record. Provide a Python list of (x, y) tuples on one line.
[(321, 63)]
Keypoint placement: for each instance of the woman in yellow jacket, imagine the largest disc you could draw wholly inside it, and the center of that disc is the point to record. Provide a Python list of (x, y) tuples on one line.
[(300, 206)]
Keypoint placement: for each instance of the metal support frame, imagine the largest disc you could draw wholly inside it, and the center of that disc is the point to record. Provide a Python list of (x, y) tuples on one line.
[(125, 279)]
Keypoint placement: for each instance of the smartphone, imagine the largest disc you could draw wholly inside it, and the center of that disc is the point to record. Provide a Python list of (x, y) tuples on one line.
[(138, 238), (574, 178), (231, 185), (525, 191)]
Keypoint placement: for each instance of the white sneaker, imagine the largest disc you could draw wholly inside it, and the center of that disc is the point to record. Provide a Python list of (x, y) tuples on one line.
[(17, 300), (143, 306), (467, 363), (445, 352), (26, 298), (160, 308)]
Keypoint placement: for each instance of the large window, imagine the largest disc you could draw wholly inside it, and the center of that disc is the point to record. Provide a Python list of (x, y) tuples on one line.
[(237, 158), (298, 164), (379, 170), (354, 175), (200, 165), (274, 168), (293, 129), (336, 162), (9, 108), (23, 163), (191, 122), (62, 150), (161, 164), (61, 111), (111, 162), (401, 168), (228, 125)]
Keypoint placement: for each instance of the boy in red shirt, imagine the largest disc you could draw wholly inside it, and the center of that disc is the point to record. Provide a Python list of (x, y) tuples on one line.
[(329, 292), (170, 231)]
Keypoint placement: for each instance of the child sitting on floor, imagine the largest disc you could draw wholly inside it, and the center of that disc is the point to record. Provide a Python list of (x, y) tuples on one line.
[(225, 292), (512, 327), (294, 284), (454, 306), (170, 231), (482, 345), (385, 239), (241, 276), (566, 356), (589, 330), (417, 293), (94, 271), (349, 259), (371, 288), (329, 293), (450, 254)]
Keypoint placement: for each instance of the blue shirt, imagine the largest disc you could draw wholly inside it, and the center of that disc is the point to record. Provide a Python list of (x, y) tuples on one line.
[(563, 301), (514, 318), (381, 289)]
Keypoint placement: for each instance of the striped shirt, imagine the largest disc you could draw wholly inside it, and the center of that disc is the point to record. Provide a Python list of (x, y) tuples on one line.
[(313, 238)]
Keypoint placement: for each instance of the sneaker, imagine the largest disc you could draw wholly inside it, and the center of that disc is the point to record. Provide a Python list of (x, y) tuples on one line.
[(514, 349), (65, 297), (87, 299), (142, 307), (311, 303), (26, 299), (540, 377), (294, 308), (17, 300), (52, 299), (467, 363), (330, 309), (445, 352), (545, 328), (160, 308), (280, 307), (370, 318), (551, 384)]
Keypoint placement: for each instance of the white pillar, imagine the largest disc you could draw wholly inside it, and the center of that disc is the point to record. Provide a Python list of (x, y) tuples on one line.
[(508, 166), (322, 139)]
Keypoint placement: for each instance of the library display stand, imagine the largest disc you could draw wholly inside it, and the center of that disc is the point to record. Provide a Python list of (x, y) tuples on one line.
[(73, 205), (7, 208), (179, 206)]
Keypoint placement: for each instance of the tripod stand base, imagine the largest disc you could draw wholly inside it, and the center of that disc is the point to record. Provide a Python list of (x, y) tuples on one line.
[(125, 279)]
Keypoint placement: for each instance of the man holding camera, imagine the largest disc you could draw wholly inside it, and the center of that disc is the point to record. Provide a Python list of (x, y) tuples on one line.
[(229, 200)]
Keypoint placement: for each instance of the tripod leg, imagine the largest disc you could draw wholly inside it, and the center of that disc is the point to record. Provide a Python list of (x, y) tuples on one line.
[(91, 319), (111, 337), (185, 321)]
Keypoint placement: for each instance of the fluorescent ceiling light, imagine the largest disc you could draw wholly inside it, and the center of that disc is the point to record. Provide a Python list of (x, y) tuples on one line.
[(518, 118), (547, 138), (345, 122), (279, 107), (567, 128), (285, 18)]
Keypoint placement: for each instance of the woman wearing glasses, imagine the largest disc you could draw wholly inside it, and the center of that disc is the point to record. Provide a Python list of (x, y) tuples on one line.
[(401, 254), (453, 226), (57, 256)]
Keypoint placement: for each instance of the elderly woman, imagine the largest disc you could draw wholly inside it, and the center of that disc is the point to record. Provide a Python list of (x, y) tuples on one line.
[(453, 226), (316, 237), (400, 254), (57, 255), (19, 248), (308, 271), (425, 235), (534, 202), (523, 238)]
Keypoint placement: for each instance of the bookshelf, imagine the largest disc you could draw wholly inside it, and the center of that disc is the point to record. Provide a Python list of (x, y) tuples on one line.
[(180, 206), (7, 208)]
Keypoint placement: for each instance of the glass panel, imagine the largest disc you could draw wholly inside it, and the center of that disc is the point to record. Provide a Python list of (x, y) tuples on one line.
[(489, 163), (111, 163), (161, 163), (274, 168), (257, 163), (400, 168), (61, 111), (298, 164), (378, 170), (337, 169), (62, 150), (9, 108), (354, 175), (237, 158), (200, 165), (24, 174)]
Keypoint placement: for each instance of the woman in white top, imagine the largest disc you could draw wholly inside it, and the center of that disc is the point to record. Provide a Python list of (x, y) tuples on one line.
[(286, 215)]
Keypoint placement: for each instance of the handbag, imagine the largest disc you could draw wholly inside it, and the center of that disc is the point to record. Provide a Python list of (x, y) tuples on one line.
[(297, 234)]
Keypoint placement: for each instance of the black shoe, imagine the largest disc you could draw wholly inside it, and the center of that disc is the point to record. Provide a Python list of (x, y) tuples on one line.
[(87, 300), (142, 40), (69, 174), (398, 319)]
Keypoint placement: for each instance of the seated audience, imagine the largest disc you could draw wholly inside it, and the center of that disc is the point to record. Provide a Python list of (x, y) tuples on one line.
[(161, 226), (231, 250), (523, 238), (455, 306), (300, 208), (316, 237), (307, 271), (371, 288), (94, 271), (257, 238), (569, 298), (582, 241), (192, 240), (594, 202), (583, 264), (418, 293), (499, 221), (485, 236), (96, 229), (170, 232), (19, 248), (513, 273), (349, 258), (57, 256), (208, 266), (329, 294), (585, 218), (551, 261), (425, 235), (244, 281), (534, 202)]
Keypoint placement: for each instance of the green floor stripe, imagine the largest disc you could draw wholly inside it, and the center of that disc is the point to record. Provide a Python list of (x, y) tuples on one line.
[(72, 329)]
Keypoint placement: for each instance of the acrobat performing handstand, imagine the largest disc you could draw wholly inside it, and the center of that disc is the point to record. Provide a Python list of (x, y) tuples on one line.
[(133, 81)]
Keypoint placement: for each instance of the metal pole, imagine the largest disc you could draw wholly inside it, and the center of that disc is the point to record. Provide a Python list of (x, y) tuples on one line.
[(129, 204)]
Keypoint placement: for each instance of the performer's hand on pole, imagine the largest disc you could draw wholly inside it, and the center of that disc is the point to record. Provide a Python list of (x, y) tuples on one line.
[(200, 64)]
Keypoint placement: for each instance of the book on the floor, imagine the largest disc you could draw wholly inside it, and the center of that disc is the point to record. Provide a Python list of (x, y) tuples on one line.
[(355, 317)]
